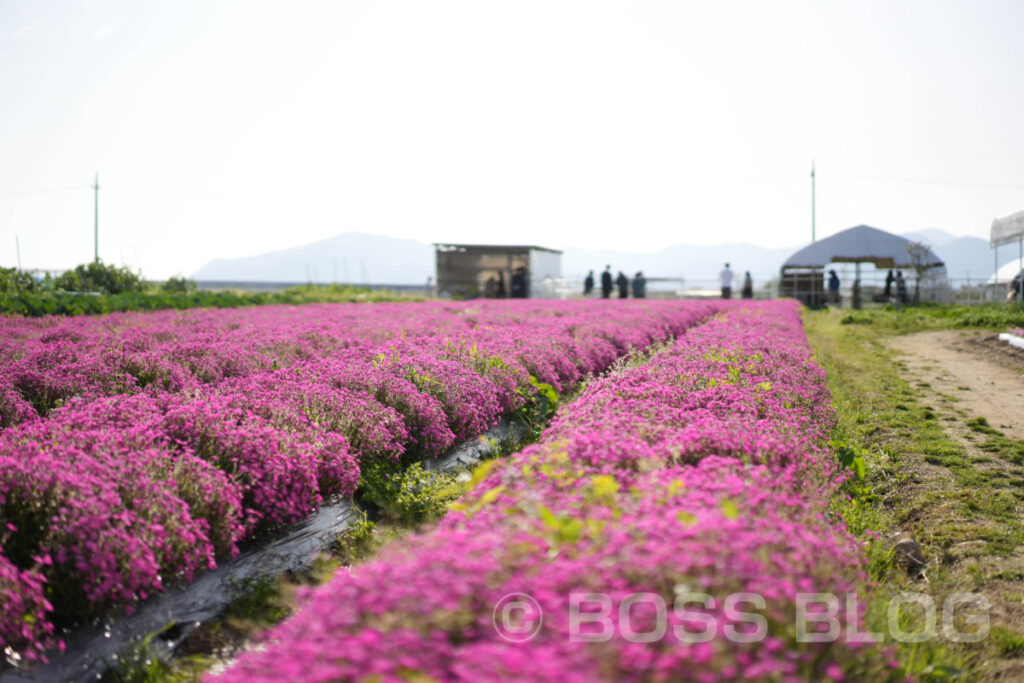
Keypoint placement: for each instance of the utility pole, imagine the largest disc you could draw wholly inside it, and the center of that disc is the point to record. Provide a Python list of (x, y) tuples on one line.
[(813, 217), (96, 219), (17, 248)]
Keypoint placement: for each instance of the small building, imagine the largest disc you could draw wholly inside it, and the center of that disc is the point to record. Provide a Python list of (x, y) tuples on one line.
[(468, 271), (803, 273)]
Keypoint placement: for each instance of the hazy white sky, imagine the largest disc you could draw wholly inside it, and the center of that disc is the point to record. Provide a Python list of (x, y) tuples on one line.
[(229, 129)]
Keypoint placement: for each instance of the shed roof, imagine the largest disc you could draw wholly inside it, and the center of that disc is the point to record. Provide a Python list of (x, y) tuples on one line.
[(493, 248), (859, 244)]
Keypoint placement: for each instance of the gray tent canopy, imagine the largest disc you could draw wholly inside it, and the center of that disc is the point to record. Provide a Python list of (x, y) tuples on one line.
[(802, 273), (862, 244)]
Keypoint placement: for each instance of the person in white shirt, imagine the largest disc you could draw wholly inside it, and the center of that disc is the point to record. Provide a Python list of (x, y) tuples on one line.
[(726, 276)]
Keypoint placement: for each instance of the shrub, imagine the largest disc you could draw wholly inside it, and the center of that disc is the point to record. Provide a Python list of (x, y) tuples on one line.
[(178, 284), (100, 277)]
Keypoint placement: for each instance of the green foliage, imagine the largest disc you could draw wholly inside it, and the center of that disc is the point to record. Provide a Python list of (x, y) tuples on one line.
[(900, 319), (178, 284), (50, 302), (856, 319), (563, 527), (1011, 450), (410, 495), (101, 278), (143, 663), (981, 425), (257, 599), (1009, 643), (14, 281), (851, 456), (335, 293), (541, 405), (356, 542)]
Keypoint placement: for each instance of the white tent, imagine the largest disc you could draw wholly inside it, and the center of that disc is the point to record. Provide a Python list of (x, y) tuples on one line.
[(1007, 230), (1006, 273)]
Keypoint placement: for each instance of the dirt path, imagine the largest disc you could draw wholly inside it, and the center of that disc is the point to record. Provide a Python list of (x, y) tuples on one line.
[(964, 376), (985, 377)]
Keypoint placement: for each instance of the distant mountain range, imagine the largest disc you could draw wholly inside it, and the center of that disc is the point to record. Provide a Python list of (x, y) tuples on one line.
[(361, 258), (350, 257)]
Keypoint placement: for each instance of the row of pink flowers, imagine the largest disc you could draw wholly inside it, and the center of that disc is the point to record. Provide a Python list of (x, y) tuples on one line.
[(142, 448), (45, 362), (701, 471)]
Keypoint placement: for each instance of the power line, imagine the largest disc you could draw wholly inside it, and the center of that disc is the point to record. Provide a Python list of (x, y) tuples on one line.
[(927, 181), (55, 189)]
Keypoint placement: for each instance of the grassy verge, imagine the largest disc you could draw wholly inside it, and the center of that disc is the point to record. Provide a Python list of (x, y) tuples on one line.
[(35, 304), (962, 507), (897, 319)]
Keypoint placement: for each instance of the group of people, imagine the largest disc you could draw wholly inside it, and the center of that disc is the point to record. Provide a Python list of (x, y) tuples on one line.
[(887, 293), (494, 288), (747, 292), (901, 286), (638, 284), (622, 283)]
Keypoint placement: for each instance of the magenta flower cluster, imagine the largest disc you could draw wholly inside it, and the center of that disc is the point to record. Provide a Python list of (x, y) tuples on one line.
[(701, 471), (138, 449)]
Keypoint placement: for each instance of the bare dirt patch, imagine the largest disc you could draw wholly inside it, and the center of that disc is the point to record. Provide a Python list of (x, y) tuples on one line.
[(981, 375), (964, 376)]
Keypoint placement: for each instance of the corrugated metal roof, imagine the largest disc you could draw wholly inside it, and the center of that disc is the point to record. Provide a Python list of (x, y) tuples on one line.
[(862, 243)]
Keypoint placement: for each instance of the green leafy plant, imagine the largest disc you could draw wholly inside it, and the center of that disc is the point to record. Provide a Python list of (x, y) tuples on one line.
[(850, 456), (99, 277), (178, 284), (411, 495)]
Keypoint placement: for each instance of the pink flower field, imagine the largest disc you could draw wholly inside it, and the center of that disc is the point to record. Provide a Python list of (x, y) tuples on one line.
[(139, 449), (700, 473)]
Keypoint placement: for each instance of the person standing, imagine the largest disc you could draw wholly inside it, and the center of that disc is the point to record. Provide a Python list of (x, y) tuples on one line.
[(588, 284), (901, 287), (639, 286), (833, 288), (889, 278), (623, 283), (726, 277), (500, 291), (606, 282), (519, 285), (748, 286)]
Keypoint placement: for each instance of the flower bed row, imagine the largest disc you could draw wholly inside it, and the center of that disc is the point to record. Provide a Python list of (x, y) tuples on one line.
[(108, 498), (45, 363), (700, 472)]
